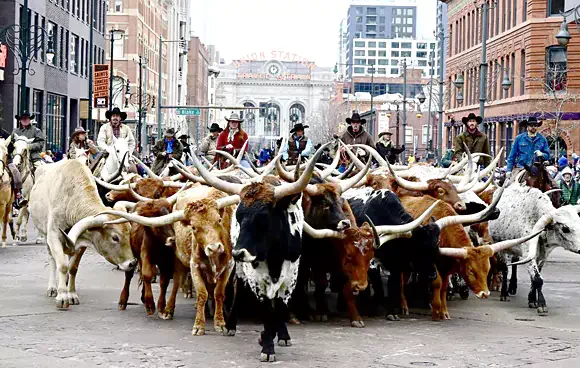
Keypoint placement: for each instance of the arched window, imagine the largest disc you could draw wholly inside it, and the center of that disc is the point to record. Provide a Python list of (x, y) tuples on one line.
[(249, 116), (272, 120), (297, 114)]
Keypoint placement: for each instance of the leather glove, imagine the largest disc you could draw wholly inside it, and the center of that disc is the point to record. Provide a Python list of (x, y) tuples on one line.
[(361, 152), (539, 153), (229, 147), (508, 175)]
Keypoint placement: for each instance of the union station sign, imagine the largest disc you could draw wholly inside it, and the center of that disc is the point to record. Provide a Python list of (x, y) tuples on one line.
[(275, 55)]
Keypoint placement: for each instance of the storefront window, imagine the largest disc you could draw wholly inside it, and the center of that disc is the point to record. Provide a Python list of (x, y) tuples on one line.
[(37, 105), (55, 122)]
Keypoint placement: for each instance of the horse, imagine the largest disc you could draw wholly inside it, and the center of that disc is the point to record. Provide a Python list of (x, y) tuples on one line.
[(538, 177), (6, 192), (117, 160), (21, 159)]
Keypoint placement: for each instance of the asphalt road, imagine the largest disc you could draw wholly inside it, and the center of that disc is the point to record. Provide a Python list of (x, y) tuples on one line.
[(482, 333)]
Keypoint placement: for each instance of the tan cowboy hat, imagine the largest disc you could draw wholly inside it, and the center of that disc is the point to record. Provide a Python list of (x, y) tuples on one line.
[(234, 117), (170, 132), (77, 131)]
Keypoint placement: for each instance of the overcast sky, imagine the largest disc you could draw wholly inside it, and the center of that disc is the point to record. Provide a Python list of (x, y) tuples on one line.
[(308, 28)]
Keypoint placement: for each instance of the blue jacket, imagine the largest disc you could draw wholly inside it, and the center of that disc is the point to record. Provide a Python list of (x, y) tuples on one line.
[(523, 149)]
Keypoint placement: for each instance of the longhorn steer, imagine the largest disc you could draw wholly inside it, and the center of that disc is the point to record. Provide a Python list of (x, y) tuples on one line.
[(65, 198), (148, 245), (525, 209)]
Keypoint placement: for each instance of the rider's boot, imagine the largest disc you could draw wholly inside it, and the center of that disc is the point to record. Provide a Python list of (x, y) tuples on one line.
[(20, 201)]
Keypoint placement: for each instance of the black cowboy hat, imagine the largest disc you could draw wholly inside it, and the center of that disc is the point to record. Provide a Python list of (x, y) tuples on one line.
[(117, 111), (385, 133), (471, 116), (24, 114), (215, 127), (183, 136), (298, 127), (355, 117), (532, 120)]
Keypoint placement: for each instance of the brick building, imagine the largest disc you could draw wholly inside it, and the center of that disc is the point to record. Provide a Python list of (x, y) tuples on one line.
[(522, 45), (197, 88)]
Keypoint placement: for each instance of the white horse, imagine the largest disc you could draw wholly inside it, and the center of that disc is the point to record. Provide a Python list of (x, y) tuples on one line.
[(6, 192), (117, 160), (21, 159)]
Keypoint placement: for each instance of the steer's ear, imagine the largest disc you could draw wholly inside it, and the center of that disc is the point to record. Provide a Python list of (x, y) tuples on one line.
[(68, 244)]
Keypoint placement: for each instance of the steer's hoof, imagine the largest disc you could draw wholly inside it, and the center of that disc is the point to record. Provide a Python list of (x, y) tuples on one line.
[(294, 321), (122, 306), (220, 329), (73, 299), (51, 292), (446, 315), (532, 305), (512, 289), (188, 295), (38, 241), (62, 302), (393, 317), (405, 311), (229, 332), (23, 238), (165, 315), (504, 298), (3, 244), (320, 318), (543, 311), (198, 331), (282, 342), (267, 357), (357, 324)]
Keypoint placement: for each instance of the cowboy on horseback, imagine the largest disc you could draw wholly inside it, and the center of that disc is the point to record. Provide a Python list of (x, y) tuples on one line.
[(166, 149)]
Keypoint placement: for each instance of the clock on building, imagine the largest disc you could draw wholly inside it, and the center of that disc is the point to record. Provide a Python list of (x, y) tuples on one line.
[(273, 69)]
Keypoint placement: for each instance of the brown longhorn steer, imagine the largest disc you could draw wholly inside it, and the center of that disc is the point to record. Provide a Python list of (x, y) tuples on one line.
[(147, 187), (148, 245)]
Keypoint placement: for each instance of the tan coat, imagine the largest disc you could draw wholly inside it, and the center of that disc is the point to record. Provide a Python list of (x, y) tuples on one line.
[(105, 137)]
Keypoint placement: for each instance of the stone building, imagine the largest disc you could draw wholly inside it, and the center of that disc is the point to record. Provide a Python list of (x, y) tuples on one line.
[(522, 45)]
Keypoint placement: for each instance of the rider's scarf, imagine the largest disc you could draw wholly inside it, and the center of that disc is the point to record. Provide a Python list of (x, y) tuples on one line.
[(232, 133), (169, 144)]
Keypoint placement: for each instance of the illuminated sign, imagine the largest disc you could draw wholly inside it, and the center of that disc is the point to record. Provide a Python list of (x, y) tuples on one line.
[(275, 55)]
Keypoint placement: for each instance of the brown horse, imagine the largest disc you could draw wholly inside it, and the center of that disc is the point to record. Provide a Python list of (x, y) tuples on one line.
[(538, 177), (6, 192)]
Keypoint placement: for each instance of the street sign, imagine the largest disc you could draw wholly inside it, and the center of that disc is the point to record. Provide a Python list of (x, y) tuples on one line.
[(188, 111), (100, 85)]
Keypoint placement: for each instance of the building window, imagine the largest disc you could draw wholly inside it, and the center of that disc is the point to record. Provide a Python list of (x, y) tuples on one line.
[(359, 62), (556, 68), (372, 44), (119, 48), (409, 135), (372, 53), (55, 122), (359, 10), (359, 19), (395, 71), (52, 41), (371, 62), (383, 61), (382, 45), (406, 54), (297, 113), (359, 70), (424, 134), (63, 48), (394, 53), (74, 53), (119, 6), (394, 62), (272, 120), (421, 54), (359, 44), (359, 52), (382, 71), (371, 11), (359, 27), (422, 46), (555, 7), (249, 119), (406, 45), (65, 53), (523, 71), (394, 45), (382, 54), (422, 62), (37, 107)]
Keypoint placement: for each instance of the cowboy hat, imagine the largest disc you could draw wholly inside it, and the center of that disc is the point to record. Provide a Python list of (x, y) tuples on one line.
[(78, 130), (24, 114), (169, 132), (532, 120), (355, 117), (215, 127), (471, 116), (183, 136), (234, 117), (298, 127), (385, 133), (116, 111)]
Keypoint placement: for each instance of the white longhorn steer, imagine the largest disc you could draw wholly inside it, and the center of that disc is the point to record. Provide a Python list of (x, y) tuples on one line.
[(65, 199), (524, 210)]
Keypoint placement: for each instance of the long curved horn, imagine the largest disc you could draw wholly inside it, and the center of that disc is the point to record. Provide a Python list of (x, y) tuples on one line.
[(548, 192), (330, 169), (519, 176), (322, 233), (119, 188), (409, 185), (489, 168), (464, 219), (373, 152), (296, 187), (149, 221), (119, 171), (173, 198), (447, 172), (352, 156), (129, 206), (375, 233), (268, 169), (534, 245), (227, 155), (186, 173), (467, 176), (283, 174), (393, 229), (501, 246), (206, 161), (349, 183), (227, 201), (138, 196), (173, 184), (146, 168), (481, 186), (383, 239), (80, 227), (211, 179), (474, 181), (460, 253)]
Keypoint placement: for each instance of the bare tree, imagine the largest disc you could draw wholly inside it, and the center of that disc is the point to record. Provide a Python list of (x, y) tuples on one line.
[(324, 122)]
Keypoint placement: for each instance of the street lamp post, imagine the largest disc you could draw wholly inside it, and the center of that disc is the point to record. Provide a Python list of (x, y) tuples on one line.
[(112, 34), (404, 106), (429, 140), (159, 81), (25, 48), (372, 71), (563, 37)]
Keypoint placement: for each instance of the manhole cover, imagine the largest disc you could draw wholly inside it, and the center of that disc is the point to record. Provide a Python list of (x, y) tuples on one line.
[(525, 319), (424, 364)]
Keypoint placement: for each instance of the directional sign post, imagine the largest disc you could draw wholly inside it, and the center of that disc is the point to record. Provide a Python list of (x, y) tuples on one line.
[(188, 111)]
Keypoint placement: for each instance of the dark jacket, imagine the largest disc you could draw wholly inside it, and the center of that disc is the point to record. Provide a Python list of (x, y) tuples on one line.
[(477, 143), (388, 151), (162, 160), (38, 145), (361, 137)]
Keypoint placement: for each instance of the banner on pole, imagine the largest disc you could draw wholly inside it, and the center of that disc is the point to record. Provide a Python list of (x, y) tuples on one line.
[(100, 85)]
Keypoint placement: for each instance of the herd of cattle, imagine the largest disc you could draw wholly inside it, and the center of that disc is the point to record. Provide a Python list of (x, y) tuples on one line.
[(264, 236)]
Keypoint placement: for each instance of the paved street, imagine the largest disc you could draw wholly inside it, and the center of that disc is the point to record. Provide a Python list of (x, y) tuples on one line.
[(482, 333)]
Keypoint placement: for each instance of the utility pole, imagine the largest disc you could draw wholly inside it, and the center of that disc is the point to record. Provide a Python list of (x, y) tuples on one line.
[(112, 40), (140, 102), (91, 62), (398, 145), (372, 70), (147, 100), (429, 140), (404, 108), (441, 37), (159, 80)]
